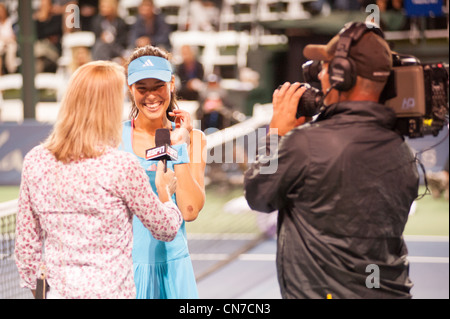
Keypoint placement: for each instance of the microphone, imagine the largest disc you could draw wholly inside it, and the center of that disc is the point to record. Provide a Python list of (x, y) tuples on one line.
[(162, 150), (322, 105)]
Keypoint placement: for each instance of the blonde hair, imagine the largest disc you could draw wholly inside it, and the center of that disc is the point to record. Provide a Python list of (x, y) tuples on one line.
[(90, 117)]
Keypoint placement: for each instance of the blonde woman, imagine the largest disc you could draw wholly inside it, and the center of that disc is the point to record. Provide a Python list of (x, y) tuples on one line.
[(79, 193)]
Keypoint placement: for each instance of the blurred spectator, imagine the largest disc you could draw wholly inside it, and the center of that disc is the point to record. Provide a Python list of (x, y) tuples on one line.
[(316, 7), (150, 28), (204, 15), (88, 11), (59, 7), (49, 32), (8, 43), (80, 56), (68, 15), (439, 182), (190, 73), (349, 5), (392, 17), (215, 110), (111, 32), (386, 5)]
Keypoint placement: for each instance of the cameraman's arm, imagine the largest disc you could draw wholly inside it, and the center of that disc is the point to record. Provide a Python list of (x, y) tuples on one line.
[(285, 102), (278, 166), (278, 171)]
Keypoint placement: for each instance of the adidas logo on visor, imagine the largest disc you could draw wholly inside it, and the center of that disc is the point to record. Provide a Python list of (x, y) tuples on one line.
[(148, 63)]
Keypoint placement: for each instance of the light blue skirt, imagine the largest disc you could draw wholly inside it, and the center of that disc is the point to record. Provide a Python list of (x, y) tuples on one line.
[(162, 270)]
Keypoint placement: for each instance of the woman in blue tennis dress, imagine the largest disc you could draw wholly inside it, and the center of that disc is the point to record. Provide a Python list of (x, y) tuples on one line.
[(163, 270)]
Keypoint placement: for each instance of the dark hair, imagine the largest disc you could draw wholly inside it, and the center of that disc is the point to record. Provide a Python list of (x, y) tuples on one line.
[(154, 51)]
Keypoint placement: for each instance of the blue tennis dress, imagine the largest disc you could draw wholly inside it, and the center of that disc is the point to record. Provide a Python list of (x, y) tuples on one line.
[(162, 270)]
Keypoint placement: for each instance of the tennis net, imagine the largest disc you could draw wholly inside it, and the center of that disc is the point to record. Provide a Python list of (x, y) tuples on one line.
[(9, 275)]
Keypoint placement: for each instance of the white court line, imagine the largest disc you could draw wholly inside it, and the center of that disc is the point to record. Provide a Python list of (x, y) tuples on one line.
[(249, 236), (428, 260), (245, 257), (205, 257), (258, 257), (222, 236), (272, 257), (418, 238)]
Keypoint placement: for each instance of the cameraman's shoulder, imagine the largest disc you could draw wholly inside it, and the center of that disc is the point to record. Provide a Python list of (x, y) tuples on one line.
[(302, 130), (297, 136)]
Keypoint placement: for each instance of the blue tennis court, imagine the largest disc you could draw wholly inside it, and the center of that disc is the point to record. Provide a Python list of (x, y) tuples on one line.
[(252, 275)]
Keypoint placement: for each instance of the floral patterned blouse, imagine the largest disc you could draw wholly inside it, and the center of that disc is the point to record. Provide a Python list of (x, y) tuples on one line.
[(83, 212)]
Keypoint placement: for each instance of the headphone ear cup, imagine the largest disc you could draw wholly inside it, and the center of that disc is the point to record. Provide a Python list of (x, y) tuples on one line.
[(342, 73)]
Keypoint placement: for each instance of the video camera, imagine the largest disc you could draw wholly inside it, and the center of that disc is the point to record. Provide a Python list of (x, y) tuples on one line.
[(418, 93)]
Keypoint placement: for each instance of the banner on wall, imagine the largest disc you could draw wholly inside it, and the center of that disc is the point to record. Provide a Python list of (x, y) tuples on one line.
[(423, 8), (16, 140)]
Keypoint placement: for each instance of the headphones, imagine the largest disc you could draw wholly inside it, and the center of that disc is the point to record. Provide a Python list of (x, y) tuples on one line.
[(342, 69)]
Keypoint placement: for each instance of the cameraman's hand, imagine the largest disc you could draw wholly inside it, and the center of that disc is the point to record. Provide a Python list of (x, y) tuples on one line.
[(285, 102)]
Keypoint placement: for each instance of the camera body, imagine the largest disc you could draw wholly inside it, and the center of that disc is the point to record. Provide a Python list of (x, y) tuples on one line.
[(310, 102), (418, 93)]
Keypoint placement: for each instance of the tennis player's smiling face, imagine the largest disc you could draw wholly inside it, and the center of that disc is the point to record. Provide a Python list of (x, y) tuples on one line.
[(152, 97)]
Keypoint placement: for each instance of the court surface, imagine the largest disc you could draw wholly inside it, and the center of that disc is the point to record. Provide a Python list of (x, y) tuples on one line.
[(252, 274)]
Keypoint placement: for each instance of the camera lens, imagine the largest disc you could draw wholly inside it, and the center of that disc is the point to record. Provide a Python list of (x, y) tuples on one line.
[(311, 70), (310, 101)]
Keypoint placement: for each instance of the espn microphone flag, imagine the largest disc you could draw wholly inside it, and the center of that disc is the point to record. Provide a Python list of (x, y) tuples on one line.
[(162, 150)]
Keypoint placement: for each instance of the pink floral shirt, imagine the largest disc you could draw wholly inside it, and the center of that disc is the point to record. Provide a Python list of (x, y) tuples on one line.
[(85, 209)]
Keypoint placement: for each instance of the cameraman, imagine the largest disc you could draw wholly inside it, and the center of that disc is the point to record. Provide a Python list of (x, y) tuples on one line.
[(345, 181)]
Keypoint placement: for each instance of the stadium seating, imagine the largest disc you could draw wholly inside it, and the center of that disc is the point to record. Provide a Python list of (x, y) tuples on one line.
[(11, 109)]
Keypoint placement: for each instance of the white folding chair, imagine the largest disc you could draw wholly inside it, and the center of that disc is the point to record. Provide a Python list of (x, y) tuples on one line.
[(10, 109), (237, 11), (72, 40), (175, 11), (284, 10), (48, 111)]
